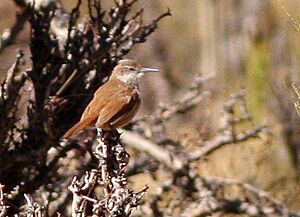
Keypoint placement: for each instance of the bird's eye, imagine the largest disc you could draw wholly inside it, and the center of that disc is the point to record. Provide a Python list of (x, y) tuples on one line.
[(131, 68)]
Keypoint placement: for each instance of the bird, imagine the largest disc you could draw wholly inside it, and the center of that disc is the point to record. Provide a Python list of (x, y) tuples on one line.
[(116, 102)]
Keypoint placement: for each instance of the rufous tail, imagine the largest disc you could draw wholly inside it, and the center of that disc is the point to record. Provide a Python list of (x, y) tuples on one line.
[(77, 128)]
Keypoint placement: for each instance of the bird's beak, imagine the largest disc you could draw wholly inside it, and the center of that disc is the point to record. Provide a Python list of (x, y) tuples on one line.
[(144, 70)]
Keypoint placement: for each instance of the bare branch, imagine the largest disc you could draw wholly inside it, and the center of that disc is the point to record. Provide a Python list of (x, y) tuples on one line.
[(9, 35), (33, 208), (157, 152), (221, 140), (3, 206)]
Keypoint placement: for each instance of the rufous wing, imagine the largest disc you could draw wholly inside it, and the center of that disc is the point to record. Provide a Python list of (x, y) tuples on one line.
[(118, 113)]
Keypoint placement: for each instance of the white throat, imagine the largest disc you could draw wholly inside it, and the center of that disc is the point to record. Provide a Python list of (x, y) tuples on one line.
[(129, 78)]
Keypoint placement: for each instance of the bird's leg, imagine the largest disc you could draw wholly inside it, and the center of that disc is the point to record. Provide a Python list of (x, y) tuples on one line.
[(115, 135)]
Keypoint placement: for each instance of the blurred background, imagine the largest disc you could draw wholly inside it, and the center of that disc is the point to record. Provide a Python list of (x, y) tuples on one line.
[(237, 44)]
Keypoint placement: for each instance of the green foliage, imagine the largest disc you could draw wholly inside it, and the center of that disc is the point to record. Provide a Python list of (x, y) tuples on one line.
[(257, 62)]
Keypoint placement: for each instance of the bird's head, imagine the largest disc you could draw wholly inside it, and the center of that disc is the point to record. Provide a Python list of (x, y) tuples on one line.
[(130, 71)]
